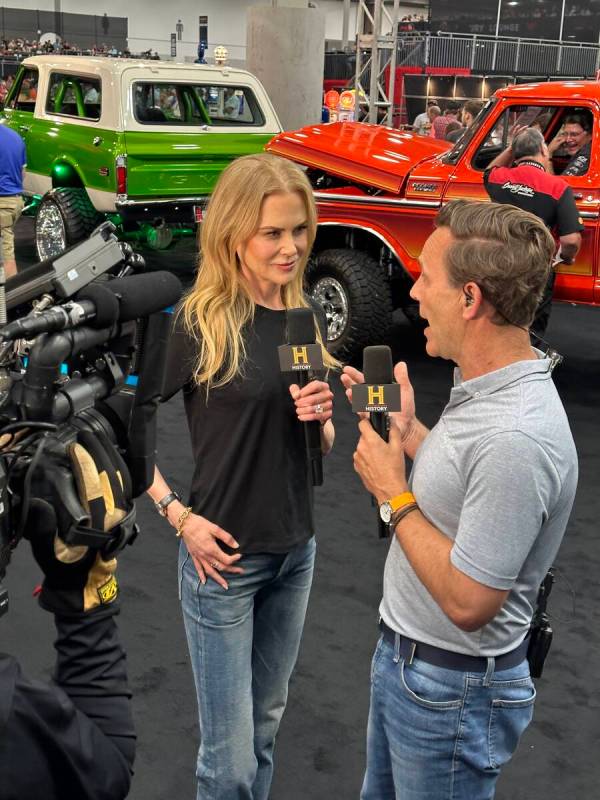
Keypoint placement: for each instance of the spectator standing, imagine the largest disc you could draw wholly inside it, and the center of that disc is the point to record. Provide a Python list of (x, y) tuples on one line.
[(427, 128), (12, 164), (519, 176), (454, 130), (470, 110), (422, 119), (451, 114)]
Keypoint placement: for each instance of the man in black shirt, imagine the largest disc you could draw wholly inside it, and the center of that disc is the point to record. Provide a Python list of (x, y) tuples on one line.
[(520, 176), (574, 140)]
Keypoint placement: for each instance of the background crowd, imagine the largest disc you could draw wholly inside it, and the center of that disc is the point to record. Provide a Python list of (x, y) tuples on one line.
[(18, 49), (450, 124)]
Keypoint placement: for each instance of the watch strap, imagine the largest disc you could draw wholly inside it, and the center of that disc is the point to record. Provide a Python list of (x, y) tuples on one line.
[(161, 505), (401, 500)]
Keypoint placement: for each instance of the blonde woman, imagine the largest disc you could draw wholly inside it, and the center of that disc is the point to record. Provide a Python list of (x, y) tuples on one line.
[(247, 550)]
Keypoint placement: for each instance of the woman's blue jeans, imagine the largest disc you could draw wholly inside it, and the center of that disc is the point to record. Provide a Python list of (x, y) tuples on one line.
[(243, 646), (441, 734)]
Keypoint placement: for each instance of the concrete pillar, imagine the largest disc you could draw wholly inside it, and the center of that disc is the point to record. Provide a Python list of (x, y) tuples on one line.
[(286, 50)]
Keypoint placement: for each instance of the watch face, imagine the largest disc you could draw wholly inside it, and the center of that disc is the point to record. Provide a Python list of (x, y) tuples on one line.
[(385, 512)]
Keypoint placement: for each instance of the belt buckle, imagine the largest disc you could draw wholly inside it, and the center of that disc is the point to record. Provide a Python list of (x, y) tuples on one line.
[(413, 648)]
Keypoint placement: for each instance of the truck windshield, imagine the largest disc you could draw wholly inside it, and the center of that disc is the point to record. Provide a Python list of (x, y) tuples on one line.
[(452, 156)]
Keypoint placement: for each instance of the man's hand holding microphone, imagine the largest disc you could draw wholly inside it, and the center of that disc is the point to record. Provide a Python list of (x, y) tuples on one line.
[(380, 463)]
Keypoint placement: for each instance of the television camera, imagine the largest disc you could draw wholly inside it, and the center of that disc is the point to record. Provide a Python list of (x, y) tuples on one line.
[(83, 340)]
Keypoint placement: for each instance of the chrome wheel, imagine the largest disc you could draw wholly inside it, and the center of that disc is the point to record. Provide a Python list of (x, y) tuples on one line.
[(332, 296), (50, 233)]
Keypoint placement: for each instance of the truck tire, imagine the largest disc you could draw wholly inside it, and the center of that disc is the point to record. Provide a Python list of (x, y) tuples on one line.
[(355, 294), (64, 217)]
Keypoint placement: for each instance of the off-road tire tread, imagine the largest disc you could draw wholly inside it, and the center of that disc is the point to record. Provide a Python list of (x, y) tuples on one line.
[(370, 302), (79, 215)]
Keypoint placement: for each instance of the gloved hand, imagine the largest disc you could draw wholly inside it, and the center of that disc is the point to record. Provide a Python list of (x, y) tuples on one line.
[(77, 578)]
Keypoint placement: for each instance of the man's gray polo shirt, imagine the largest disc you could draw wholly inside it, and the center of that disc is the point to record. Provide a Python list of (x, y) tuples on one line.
[(497, 475)]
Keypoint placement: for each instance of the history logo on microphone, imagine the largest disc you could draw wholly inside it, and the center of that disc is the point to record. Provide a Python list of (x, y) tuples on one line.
[(376, 398), (300, 357)]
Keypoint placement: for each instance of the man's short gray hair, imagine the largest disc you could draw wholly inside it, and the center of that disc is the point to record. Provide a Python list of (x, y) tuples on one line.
[(527, 143)]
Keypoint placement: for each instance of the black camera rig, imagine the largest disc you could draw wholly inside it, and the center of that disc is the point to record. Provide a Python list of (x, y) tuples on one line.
[(82, 346)]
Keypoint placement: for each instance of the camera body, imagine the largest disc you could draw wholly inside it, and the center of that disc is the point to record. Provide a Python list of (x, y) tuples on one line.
[(69, 365)]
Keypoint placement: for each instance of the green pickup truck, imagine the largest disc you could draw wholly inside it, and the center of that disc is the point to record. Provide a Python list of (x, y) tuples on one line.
[(141, 143)]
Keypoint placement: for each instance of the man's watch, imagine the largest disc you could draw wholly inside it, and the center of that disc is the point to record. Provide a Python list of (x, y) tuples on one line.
[(388, 507), (161, 506)]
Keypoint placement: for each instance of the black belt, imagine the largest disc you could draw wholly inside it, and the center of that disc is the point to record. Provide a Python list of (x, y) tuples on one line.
[(409, 650)]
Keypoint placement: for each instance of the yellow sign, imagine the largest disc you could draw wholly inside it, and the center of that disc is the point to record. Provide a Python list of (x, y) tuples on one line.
[(376, 395), (300, 355)]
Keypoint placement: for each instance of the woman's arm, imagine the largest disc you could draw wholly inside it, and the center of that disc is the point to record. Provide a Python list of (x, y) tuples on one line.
[(200, 536)]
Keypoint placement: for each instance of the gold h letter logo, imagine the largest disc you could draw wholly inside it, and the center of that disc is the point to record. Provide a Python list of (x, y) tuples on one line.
[(300, 355), (376, 395)]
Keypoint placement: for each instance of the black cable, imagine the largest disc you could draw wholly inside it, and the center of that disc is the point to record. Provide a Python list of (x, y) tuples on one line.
[(42, 426), (27, 486)]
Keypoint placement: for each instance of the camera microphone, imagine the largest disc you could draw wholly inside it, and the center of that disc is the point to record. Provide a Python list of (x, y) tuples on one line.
[(141, 295), (94, 305), (101, 304)]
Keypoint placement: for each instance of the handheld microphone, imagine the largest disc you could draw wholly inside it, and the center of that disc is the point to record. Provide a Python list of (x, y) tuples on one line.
[(378, 395), (304, 357)]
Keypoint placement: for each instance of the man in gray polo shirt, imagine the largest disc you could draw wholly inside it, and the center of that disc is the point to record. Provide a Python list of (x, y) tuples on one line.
[(479, 521)]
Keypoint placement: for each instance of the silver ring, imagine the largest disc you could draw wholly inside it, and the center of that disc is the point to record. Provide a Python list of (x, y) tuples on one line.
[(213, 564), (318, 408)]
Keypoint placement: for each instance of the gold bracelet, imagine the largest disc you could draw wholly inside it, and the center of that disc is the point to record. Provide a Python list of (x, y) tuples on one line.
[(182, 518)]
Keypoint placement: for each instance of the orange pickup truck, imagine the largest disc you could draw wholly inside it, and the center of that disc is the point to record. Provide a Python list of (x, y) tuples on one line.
[(379, 189)]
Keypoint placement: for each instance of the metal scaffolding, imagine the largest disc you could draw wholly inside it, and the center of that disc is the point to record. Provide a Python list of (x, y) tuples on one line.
[(376, 56)]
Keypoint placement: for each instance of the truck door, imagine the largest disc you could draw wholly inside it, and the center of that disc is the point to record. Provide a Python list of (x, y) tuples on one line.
[(577, 282)]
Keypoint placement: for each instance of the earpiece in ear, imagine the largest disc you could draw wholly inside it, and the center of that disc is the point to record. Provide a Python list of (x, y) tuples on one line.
[(468, 299)]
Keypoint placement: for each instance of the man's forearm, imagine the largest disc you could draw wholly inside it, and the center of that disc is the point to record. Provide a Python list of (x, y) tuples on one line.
[(90, 669), (504, 159)]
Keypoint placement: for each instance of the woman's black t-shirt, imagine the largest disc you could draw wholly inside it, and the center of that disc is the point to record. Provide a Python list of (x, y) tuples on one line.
[(251, 474)]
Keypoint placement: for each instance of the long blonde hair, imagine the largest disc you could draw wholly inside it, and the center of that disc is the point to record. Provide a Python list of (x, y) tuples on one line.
[(219, 305)]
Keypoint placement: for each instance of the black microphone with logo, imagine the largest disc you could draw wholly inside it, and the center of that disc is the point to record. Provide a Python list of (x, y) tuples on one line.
[(302, 356), (377, 396)]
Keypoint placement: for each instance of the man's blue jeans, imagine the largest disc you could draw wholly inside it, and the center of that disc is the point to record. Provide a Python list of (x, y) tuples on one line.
[(441, 734), (243, 646)]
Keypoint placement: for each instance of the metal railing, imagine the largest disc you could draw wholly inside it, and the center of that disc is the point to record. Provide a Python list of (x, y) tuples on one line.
[(497, 54)]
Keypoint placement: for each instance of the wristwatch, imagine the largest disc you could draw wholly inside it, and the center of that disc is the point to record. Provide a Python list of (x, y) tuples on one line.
[(161, 506), (388, 507)]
